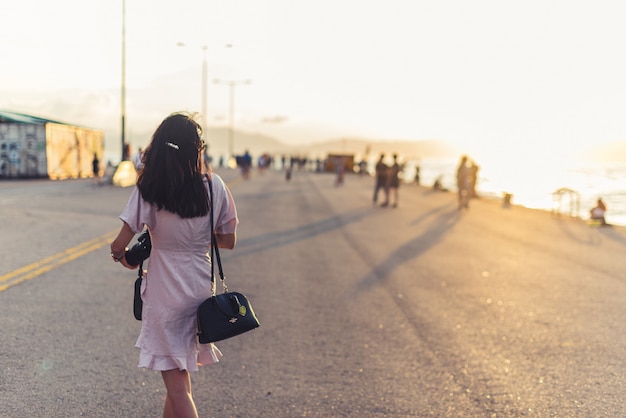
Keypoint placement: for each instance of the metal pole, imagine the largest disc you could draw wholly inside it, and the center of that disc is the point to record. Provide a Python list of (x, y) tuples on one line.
[(204, 87), (205, 82), (123, 94), (232, 119), (231, 111)]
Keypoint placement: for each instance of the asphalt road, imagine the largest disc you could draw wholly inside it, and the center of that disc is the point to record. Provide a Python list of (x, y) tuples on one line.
[(419, 311)]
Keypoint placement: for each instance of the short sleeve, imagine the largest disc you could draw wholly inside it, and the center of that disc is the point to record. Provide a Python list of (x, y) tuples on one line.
[(138, 212), (225, 216)]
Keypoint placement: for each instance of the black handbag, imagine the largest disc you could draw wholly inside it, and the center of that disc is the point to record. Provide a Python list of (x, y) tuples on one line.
[(227, 314)]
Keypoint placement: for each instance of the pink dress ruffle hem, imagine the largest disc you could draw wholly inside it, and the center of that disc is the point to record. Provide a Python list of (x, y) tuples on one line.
[(207, 354)]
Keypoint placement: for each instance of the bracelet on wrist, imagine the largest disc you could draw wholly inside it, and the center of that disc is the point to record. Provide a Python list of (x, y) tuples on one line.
[(116, 259)]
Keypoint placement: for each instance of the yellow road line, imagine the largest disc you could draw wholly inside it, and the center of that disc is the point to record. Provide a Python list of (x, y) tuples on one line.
[(35, 269)]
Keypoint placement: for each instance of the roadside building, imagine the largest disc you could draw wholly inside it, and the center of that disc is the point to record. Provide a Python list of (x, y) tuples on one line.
[(32, 146), (346, 160)]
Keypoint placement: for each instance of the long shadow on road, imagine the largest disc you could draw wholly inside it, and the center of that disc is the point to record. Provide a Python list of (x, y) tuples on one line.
[(278, 239), (439, 227)]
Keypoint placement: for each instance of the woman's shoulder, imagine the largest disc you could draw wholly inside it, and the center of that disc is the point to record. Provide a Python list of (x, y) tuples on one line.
[(216, 179)]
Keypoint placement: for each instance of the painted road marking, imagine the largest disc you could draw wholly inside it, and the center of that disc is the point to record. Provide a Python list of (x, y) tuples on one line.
[(39, 267)]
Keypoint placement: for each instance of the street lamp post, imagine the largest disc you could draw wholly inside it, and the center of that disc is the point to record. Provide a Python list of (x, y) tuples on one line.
[(123, 92), (205, 86), (205, 72), (231, 109)]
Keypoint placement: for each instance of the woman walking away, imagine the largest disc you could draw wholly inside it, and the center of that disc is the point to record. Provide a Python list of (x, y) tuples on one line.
[(171, 200)]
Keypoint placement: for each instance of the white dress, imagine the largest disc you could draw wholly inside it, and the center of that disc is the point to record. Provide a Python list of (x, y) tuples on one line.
[(178, 279)]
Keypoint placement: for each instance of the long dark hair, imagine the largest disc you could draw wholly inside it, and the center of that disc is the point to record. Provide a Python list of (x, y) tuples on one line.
[(171, 177)]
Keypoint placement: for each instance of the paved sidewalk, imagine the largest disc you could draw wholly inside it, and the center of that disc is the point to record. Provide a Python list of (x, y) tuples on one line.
[(418, 311)]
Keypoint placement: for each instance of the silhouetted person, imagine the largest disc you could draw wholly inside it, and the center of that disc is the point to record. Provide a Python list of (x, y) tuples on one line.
[(597, 213), (246, 164), (126, 153), (394, 180), (95, 166), (463, 182), (438, 185), (381, 180), (362, 167), (417, 175), (340, 170), (473, 178)]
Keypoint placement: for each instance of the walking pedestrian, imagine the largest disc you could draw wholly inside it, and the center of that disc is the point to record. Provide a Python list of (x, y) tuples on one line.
[(171, 199), (381, 180), (473, 179), (138, 160), (246, 165), (463, 183), (340, 169), (416, 179), (394, 180), (95, 167)]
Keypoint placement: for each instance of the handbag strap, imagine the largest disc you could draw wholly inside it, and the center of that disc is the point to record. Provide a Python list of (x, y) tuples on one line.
[(214, 247)]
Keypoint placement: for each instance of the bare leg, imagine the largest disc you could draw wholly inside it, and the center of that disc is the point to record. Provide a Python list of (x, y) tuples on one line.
[(179, 402), (376, 189), (386, 202), (167, 409)]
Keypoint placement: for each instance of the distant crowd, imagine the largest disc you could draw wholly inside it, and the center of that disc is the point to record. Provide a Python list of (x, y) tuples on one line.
[(388, 175)]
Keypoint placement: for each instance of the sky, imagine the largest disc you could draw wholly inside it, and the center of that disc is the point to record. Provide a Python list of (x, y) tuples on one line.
[(512, 79)]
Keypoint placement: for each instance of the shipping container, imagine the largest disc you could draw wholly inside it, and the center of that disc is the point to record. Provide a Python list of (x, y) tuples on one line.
[(31, 146)]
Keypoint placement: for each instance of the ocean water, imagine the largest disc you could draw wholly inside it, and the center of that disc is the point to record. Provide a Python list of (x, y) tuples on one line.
[(533, 185)]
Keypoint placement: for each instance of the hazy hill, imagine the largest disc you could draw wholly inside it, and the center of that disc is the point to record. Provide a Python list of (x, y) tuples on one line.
[(218, 139), (258, 144), (405, 149)]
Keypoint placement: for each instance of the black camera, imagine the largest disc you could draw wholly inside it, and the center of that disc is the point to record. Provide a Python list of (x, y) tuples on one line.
[(140, 251)]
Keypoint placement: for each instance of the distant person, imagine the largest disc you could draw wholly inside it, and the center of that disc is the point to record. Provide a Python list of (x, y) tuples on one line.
[(207, 159), (416, 179), (95, 166), (463, 182), (394, 180), (381, 180), (246, 164), (507, 198), (362, 167), (126, 154), (438, 185), (138, 160), (473, 178), (340, 169), (109, 171), (597, 213)]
